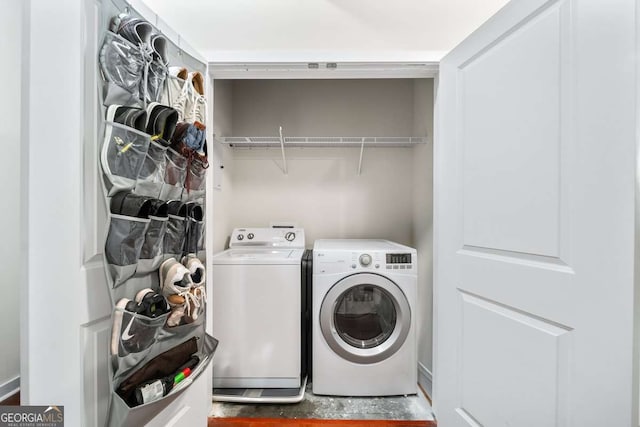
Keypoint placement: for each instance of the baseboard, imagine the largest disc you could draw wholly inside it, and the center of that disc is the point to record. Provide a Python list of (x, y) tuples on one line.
[(9, 388), (425, 379)]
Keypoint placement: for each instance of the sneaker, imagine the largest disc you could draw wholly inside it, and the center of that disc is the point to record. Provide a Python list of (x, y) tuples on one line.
[(198, 293), (157, 71), (196, 269), (175, 282), (158, 45), (129, 333), (195, 304), (177, 90), (135, 118), (195, 108), (179, 72), (151, 304), (135, 30), (161, 122)]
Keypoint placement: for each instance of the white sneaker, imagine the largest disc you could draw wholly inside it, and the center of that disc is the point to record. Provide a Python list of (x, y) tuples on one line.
[(198, 295), (175, 284), (195, 110), (176, 94)]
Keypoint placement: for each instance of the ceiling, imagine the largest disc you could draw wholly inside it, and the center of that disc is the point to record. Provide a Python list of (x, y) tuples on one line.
[(325, 30)]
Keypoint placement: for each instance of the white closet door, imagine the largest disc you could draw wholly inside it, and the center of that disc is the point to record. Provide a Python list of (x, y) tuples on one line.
[(535, 163), (65, 306)]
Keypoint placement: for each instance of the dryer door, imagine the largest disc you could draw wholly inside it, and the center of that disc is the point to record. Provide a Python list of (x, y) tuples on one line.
[(365, 318)]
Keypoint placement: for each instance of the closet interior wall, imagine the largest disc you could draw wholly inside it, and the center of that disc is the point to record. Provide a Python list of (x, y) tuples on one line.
[(322, 191)]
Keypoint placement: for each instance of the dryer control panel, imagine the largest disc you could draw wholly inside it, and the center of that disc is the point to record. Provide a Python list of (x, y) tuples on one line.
[(267, 238), (358, 261)]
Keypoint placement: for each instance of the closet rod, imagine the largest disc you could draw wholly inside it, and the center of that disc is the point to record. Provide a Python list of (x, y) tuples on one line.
[(284, 157)]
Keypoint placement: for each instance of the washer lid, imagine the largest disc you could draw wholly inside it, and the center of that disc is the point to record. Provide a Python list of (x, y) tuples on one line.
[(258, 256)]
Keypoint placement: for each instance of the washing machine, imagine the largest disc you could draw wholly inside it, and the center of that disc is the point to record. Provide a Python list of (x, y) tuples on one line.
[(363, 318), (256, 305)]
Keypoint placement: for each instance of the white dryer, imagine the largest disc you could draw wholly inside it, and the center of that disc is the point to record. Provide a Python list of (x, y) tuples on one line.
[(363, 318), (256, 305)]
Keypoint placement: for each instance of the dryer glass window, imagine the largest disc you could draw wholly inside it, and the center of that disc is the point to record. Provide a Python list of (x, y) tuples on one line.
[(365, 316)]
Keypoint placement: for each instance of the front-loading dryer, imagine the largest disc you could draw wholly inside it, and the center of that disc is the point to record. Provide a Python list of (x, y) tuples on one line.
[(363, 318)]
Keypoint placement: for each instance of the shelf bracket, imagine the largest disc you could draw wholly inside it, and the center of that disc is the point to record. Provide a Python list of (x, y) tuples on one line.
[(284, 157), (361, 153)]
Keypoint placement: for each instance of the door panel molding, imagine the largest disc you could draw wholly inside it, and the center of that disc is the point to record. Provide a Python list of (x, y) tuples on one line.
[(537, 261)]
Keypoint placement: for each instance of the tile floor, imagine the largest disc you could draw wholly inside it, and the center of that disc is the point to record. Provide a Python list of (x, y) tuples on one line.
[(414, 407)]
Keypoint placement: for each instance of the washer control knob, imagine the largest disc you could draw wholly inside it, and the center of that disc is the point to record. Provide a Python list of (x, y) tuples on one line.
[(240, 237), (290, 236), (365, 260), (353, 266), (377, 265), (250, 236)]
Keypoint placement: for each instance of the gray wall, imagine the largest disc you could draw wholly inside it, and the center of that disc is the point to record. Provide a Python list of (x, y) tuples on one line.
[(355, 107), (423, 224), (10, 74)]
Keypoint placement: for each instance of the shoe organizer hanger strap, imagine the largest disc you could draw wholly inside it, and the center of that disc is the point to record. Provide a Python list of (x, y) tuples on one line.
[(123, 153), (123, 245), (151, 177), (122, 64), (121, 413), (175, 175)]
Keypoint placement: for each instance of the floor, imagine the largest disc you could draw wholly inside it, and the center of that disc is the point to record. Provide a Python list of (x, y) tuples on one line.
[(326, 410), (13, 400), (282, 422)]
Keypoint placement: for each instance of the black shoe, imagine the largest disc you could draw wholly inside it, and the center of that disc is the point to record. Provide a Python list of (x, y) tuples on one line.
[(161, 121), (195, 214), (135, 118), (177, 208), (129, 204), (151, 303), (159, 208)]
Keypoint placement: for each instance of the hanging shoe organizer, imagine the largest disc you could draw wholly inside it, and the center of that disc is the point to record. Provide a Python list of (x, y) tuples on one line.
[(154, 163)]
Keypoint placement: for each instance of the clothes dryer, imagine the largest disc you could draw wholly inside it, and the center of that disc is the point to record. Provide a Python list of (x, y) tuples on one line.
[(363, 318)]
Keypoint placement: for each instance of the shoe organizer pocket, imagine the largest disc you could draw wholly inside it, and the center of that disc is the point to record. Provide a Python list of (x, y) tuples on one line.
[(195, 229), (133, 336), (175, 237), (185, 328), (123, 152), (122, 63), (195, 183), (156, 76), (151, 176), (123, 245), (175, 175), (152, 248), (122, 414)]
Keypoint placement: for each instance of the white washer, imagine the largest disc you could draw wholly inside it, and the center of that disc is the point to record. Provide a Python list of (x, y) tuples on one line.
[(256, 306), (363, 318)]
